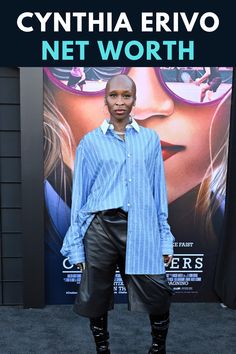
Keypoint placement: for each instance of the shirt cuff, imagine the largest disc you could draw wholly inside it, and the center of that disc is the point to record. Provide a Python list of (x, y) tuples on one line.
[(167, 248), (75, 255)]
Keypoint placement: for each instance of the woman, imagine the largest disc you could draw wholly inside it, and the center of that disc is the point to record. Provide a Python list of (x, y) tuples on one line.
[(213, 80), (76, 78), (119, 217)]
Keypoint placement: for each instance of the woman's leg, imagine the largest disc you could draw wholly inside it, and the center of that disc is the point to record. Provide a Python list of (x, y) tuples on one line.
[(146, 293), (151, 294), (95, 295), (204, 90), (98, 326), (159, 326)]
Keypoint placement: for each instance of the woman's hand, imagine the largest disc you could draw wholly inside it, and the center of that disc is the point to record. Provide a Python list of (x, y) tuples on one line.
[(80, 266), (167, 259)]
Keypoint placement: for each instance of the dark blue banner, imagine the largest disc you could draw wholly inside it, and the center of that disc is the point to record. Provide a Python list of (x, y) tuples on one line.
[(98, 34)]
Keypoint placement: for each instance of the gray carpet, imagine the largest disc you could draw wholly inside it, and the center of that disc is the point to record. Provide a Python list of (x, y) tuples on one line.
[(197, 328)]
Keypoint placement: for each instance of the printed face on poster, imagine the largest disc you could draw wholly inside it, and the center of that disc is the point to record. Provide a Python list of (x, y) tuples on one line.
[(192, 117)]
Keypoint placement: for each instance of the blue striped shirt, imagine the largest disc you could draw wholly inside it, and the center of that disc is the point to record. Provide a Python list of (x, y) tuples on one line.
[(112, 173)]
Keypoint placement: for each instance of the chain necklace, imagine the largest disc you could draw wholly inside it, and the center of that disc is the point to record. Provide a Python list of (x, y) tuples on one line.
[(119, 133)]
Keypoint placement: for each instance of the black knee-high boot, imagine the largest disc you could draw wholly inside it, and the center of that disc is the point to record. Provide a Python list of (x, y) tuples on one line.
[(159, 325), (98, 326)]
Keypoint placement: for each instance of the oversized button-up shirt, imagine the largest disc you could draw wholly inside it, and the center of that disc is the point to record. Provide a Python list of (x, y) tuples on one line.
[(109, 173)]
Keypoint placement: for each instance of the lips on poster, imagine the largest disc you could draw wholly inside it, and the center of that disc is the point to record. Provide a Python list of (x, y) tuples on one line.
[(192, 116)]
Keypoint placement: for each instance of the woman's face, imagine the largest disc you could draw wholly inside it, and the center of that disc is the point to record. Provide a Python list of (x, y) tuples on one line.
[(183, 128), (120, 98)]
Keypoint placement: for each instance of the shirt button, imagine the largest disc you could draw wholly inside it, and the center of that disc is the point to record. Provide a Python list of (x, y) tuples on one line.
[(128, 204), (128, 155), (130, 180)]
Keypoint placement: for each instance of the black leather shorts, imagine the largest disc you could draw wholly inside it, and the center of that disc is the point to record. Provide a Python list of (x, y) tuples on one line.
[(105, 243)]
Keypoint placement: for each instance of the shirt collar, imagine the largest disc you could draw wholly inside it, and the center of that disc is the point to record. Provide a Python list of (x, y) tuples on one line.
[(107, 125)]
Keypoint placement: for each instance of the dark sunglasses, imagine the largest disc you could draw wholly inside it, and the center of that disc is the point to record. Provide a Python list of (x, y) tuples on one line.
[(181, 83)]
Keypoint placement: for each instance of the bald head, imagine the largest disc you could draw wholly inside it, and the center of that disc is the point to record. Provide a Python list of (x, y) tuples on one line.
[(123, 81)]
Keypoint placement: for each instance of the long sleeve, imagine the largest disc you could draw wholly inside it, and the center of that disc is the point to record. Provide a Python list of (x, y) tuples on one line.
[(160, 196), (73, 247)]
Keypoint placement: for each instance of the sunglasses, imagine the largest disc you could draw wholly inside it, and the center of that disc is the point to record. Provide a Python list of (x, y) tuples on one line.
[(183, 84)]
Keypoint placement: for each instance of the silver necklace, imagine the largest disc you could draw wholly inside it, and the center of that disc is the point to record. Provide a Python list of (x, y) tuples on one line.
[(119, 133)]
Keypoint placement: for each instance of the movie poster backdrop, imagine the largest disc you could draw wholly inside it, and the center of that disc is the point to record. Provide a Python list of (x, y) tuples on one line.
[(191, 114)]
